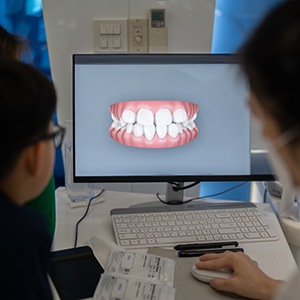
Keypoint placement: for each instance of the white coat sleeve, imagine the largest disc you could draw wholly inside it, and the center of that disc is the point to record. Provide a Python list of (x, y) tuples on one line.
[(289, 290)]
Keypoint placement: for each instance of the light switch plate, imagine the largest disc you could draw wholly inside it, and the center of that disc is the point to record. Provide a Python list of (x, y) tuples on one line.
[(158, 31), (110, 35), (138, 35)]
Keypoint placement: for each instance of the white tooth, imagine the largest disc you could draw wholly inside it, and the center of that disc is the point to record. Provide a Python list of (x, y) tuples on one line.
[(194, 117), (114, 118), (161, 131), (145, 117), (179, 127), (190, 126), (163, 117), (185, 123), (129, 128), (173, 130), (193, 124), (114, 124), (149, 132), (128, 116), (138, 130), (122, 122), (118, 127), (179, 115)]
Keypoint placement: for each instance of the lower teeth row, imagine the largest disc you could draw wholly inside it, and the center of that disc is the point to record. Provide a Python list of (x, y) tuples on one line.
[(149, 131)]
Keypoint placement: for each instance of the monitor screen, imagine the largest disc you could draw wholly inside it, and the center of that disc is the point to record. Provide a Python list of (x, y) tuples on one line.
[(160, 118)]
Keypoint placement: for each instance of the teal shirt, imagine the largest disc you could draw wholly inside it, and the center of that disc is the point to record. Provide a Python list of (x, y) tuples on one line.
[(45, 203)]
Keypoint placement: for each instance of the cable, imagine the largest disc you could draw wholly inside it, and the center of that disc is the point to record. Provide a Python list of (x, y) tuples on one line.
[(87, 209), (265, 193), (220, 193), (177, 187), (203, 197)]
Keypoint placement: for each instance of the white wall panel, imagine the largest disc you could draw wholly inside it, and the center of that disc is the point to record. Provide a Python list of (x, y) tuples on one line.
[(69, 30)]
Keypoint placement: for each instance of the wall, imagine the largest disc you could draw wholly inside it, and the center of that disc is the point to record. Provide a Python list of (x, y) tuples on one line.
[(69, 30)]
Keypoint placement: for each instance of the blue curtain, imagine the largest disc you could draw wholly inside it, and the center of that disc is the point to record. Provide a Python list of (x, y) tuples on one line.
[(235, 20)]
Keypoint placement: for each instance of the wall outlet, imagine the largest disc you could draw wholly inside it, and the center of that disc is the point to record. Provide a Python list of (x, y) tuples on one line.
[(110, 35), (138, 35)]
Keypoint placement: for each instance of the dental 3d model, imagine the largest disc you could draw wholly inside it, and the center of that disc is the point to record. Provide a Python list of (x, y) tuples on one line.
[(154, 123)]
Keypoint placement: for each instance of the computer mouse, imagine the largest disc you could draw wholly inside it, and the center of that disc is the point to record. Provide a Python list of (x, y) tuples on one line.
[(208, 275)]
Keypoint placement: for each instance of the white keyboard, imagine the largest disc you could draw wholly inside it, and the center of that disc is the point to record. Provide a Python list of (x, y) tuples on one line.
[(170, 225)]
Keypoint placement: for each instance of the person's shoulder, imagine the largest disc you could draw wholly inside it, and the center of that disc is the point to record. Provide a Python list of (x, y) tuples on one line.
[(34, 220), (21, 220)]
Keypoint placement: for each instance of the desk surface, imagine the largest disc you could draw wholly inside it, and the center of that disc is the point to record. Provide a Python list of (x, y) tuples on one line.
[(274, 258)]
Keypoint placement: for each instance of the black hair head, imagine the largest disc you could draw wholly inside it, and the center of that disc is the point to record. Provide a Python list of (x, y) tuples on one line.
[(271, 61), (13, 46)]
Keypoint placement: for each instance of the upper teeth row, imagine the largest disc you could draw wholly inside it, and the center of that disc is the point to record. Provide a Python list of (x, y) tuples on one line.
[(163, 122)]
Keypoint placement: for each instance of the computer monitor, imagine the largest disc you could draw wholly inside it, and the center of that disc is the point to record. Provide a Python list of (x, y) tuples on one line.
[(161, 118)]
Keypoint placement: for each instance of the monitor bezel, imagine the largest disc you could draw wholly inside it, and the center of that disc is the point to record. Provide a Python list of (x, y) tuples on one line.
[(258, 159)]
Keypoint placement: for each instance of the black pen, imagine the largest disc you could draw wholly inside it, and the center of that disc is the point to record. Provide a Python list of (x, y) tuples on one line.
[(193, 253), (206, 245)]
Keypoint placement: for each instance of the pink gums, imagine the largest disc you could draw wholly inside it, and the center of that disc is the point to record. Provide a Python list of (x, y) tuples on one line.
[(124, 138)]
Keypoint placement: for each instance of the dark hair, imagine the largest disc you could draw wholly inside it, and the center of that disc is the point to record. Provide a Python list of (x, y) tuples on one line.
[(12, 46), (271, 61), (27, 102)]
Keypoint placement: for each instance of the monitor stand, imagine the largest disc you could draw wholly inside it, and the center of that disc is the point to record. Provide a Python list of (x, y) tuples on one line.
[(173, 197)]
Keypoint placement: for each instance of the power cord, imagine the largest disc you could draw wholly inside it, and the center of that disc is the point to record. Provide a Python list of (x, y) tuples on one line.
[(177, 187), (265, 193), (86, 212), (203, 197)]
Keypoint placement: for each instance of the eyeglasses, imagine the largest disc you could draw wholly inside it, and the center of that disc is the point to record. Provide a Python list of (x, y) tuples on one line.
[(57, 135)]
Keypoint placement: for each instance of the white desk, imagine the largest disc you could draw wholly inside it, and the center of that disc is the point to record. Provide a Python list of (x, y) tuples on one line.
[(274, 258)]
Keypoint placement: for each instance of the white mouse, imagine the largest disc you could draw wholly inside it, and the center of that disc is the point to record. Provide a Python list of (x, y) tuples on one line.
[(208, 275)]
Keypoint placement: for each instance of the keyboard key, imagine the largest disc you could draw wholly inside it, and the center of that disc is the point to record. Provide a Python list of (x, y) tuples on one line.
[(124, 230), (271, 232), (229, 230), (186, 239), (127, 236), (252, 235), (125, 243)]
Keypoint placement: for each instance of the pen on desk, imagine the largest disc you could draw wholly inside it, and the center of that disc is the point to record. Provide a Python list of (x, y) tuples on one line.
[(206, 245), (193, 253)]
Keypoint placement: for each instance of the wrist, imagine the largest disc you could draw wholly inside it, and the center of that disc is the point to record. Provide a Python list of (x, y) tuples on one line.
[(269, 288)]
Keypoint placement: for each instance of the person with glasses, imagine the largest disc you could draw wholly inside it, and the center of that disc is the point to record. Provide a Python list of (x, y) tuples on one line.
[(28, 141), (271, 62), (16, 47)]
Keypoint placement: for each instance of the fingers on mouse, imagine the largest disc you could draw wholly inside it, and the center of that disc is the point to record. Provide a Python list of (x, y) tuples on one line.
[(208, 275)]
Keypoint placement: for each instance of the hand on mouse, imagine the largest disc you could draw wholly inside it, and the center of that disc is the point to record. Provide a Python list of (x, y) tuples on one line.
[(247, 279)]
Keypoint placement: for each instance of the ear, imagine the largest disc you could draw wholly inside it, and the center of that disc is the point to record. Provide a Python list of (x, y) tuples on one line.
[(34, 158), (256, 108)]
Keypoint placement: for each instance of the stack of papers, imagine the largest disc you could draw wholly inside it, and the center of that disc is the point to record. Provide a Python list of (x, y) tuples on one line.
[(136, 276)]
